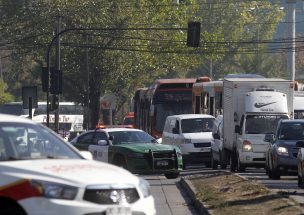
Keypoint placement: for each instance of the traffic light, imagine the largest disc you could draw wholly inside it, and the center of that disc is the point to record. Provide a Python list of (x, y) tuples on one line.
[(44, 79), (193, 34), (55, 81)]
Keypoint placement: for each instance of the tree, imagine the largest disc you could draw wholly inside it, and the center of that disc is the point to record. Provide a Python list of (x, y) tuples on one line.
[(134, 42), (4, 96)]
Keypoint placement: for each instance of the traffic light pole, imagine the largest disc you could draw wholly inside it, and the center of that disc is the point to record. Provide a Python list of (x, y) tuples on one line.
[(58, 66)]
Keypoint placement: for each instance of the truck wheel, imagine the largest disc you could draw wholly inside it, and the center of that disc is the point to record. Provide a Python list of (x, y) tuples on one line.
[(214, 163), (233, 161), (300, 182), (171, 175), (223, 160), (240, 167)]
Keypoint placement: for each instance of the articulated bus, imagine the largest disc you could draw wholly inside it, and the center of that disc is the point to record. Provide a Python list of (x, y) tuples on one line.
[(165, 97), (207, 98)]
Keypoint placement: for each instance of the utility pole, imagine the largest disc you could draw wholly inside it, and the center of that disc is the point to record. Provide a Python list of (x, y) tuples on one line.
[(291, 16), (88, 84), (58, 67)]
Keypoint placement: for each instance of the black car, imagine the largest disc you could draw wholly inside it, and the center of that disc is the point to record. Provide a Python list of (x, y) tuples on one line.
[(281, 157)]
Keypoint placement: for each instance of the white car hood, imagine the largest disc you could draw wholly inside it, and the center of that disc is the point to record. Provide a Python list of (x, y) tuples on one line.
[(200, 136), (74, 172)]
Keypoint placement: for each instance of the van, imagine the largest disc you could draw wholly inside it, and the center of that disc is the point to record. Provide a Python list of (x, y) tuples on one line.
[(217, 144), (192, 133)]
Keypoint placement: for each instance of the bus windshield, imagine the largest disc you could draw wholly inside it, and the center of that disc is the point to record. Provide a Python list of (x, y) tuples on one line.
[(167, 109), (262, 124)]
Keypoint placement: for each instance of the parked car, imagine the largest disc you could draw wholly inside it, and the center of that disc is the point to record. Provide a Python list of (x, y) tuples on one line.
[(43, 174), (281, 156), (132, 149), (217, 144), (300, 163), (192, 133)]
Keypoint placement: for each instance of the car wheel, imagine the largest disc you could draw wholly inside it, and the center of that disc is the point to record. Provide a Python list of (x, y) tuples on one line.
[(171, 175), (274, 173), (184, 165), (267, 167), (12, 210), (240, 167), (120, 161), (233, 161), (214, 163), (208, 164)]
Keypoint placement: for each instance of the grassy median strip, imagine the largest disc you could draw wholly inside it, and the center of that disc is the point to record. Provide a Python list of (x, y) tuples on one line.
[(226, 193)]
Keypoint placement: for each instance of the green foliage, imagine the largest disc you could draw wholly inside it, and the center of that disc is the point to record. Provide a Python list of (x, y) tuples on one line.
[(4, 96), (129, 44)]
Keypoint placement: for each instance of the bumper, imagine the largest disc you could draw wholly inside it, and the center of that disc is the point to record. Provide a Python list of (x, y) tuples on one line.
[(252, 158), (197, 157), (158, 166), (286, 162), (35, 206)]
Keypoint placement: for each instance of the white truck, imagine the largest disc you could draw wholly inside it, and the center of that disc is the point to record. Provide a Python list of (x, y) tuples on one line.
[(298, 104), (251, 108)]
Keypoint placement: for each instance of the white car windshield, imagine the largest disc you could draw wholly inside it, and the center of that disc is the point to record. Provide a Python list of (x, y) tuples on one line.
[(23, 141), (196, 125), (121, 137)]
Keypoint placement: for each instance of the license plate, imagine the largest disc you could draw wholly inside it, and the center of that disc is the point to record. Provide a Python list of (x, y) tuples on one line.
[(205, 149), (162, 163), (119, 210)]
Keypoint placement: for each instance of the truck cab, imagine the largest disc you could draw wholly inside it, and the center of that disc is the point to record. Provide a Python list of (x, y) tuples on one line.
[(263, 109)]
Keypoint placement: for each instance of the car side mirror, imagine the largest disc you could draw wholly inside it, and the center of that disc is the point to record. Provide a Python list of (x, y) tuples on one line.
[(175, 131), (216, 136), (237, 129), (300, 144), (269, 138), (102, 142)]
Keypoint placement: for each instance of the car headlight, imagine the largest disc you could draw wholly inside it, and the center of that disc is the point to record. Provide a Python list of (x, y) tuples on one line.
[(144, 186), (247, 147), (187, 141), (55, 190), (282, 150)]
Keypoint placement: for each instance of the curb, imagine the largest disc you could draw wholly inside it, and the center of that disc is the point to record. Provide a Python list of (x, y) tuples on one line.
[(203, 209), (190, 190)]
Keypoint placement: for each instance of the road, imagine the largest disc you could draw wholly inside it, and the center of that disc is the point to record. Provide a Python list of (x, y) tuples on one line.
[(170, 198), (287, 184)]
